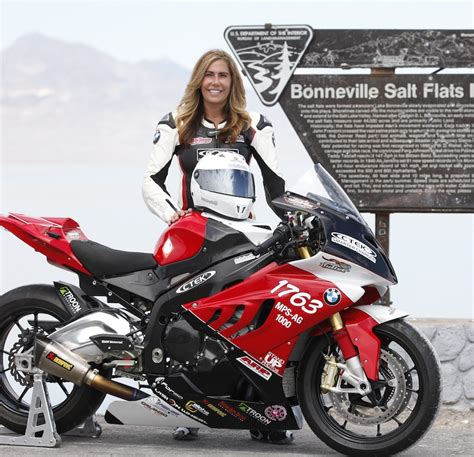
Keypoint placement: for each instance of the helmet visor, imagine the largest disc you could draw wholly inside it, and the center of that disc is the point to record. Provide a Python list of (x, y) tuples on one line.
[(238, 183)]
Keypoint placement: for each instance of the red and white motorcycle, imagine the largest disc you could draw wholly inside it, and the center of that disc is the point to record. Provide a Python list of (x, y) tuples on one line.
[(226, 325)]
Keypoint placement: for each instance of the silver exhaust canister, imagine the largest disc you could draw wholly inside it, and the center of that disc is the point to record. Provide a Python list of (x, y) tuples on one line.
[(57, 360)]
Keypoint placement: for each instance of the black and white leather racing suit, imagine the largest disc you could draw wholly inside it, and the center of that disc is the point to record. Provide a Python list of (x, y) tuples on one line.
[(257, 141)]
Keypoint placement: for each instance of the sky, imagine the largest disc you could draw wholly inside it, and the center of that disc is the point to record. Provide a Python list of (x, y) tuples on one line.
[(182, 30)]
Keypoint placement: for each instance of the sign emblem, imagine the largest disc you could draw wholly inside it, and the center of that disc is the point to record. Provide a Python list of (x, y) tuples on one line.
[(332, 296), (269, 55)]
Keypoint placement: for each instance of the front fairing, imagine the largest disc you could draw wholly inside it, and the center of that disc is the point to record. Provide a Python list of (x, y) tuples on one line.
[(345, 234)]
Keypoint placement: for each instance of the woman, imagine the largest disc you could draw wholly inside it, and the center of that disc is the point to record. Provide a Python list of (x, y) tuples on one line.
[(210, 116)]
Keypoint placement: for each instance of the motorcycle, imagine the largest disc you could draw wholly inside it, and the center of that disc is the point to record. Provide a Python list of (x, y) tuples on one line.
[(227, 325)]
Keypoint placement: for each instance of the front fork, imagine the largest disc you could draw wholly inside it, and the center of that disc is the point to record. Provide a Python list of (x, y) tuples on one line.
[(351, 371)]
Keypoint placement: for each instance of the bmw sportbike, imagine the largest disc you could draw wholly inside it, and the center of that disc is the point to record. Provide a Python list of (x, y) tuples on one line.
[(226, 325)]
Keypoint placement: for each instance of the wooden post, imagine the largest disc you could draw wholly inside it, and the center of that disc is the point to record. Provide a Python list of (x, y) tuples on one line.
[(382, 232), (382, 219)]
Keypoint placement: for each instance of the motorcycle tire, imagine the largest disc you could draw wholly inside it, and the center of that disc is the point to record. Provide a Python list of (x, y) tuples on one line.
[(409, 397), (24, 310)]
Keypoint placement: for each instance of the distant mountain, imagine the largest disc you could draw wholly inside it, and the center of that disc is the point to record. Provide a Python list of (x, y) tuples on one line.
[(71, 102), (68, 102)]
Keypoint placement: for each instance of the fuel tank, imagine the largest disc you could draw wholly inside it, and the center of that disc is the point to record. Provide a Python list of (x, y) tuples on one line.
[(197, 241), (182, 240)]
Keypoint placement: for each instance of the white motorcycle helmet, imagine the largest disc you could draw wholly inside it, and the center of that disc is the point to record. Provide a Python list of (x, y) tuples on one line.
[(223, 184)]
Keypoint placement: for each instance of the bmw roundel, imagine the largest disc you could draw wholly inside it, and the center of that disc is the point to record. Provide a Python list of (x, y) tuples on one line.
[(332, 296)]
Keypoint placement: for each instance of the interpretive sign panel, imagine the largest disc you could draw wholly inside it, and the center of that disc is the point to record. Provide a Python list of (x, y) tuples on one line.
[(403, 143), (395, 143)]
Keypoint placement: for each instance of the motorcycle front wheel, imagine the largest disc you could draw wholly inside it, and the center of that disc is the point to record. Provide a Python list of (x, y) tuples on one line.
[(24, 313), (403, 405)]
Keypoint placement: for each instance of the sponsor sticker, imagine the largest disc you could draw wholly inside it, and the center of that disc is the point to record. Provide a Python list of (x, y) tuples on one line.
[(255, 367), (276, 413), (201, 140), (196, 281), (335, 265), (245, 258), (232, 411), (194, 407), (71, 300), (254, 414), (59, 361), (185, 411), (161, 382), (355, 245), (214, 408), (332, 296), (273, 362), (156, 406)]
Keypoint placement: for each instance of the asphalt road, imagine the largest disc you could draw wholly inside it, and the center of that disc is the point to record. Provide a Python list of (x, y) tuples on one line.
[(452, 434)]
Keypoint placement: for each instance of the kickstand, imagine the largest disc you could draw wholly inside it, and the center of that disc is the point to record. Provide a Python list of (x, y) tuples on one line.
[(90, 429), (41, 428)]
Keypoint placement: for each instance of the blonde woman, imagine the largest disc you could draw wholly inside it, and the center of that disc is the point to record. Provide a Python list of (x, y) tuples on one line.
[(210, 116)]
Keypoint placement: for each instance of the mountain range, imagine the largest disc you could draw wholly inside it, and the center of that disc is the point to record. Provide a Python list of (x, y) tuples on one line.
[(70, 102)]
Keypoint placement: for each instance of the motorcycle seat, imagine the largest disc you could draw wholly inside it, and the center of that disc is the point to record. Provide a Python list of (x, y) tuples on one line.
[(105, 262)]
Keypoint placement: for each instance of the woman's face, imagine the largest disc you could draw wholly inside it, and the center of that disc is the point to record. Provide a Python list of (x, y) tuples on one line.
[(216, 85)]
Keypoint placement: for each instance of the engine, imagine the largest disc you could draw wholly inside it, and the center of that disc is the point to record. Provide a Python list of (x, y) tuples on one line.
[(186, 346)]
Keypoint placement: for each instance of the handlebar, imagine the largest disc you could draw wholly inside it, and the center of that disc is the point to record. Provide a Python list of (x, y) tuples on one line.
[(280, 235)]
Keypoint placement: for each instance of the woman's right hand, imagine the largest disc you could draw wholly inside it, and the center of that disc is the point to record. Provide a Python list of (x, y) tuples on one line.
[(180, 213)]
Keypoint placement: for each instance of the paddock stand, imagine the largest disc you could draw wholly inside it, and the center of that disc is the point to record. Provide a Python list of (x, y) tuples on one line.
[(41, 428)]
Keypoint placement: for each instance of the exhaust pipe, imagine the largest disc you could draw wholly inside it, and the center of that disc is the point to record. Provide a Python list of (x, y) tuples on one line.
[(57, 360)]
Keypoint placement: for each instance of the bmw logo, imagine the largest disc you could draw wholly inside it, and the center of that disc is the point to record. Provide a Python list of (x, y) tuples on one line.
[(332, 296)]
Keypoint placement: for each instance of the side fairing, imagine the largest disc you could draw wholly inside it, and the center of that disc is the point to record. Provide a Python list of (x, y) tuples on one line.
[(348, 276), (295, 301)]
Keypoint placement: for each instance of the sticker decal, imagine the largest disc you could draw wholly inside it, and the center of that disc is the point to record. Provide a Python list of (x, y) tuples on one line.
[(232, 411), (196, 281), (335, 265), (155, 405), (355, 245), (59, 361), (276, 413), (160, 381), (71, 300), (273, 362), (214, 408), (201, 140), (194, 407), (332, 296), (245, 258), (254, 414), (255, 367)]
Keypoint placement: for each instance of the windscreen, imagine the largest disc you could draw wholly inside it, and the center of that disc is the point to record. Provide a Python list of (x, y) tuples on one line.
[(319, 186), (238, 183)]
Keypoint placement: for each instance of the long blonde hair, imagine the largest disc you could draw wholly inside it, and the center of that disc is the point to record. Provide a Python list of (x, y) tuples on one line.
[(191, 108)]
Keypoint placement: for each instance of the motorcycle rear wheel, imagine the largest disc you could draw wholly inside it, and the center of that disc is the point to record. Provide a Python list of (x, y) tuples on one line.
[(23, 312), (409, 395)]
